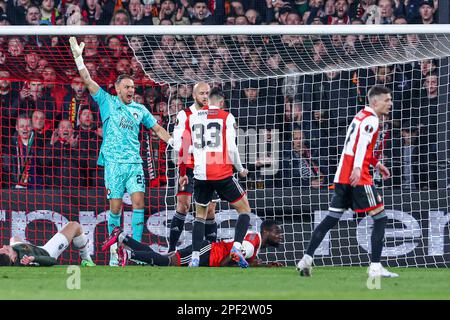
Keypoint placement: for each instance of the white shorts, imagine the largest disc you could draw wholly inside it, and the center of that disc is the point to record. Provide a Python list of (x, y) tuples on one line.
[(56, 245)]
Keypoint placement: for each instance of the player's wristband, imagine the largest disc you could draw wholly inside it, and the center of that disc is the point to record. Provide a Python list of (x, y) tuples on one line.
[(80, 63), (170, 142)]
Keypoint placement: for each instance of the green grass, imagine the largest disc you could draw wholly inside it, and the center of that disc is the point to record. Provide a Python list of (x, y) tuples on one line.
[(138, 282)]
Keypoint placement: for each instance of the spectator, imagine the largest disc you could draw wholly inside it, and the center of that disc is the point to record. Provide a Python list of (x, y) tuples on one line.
[(172, 12), (15, 56), (31, 97), (73, 15), (7, 97), (120, 18), (49, 12), (91, 47), (266, 169), (300, 168), (386, 8), (53, 89), (293, 116), (74, 99), (89, 143), (253, 17), (409, 158), (33, 15), (136, 11), (114, 44), (62, 158), (201, 13), (32, 62), (293, 18), (427, 11), (21, 163), (185, 93), (341, 14), (91, 12)]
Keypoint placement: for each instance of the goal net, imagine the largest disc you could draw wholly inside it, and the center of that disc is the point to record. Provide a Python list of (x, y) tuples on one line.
[(293, 96)]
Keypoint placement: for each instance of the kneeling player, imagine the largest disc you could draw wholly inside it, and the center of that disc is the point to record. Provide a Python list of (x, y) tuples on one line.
[(20, 253), (216, 254)]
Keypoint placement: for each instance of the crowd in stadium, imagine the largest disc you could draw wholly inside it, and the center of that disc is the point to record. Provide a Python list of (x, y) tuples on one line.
[(43, 100)]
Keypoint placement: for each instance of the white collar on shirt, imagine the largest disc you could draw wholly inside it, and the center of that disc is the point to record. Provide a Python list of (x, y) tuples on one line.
[(367, 108)]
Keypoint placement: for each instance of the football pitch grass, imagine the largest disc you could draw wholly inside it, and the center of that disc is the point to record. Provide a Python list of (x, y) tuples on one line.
[(161, 283)]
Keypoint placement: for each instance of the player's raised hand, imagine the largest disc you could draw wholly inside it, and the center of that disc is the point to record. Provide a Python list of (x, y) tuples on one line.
[(77, 50), (355, 176)]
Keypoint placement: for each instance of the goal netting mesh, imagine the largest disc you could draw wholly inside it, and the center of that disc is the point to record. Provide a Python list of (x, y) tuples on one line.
[(293, 97)]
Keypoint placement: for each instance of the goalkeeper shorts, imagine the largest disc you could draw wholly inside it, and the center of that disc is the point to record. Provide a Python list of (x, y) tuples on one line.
[(123, 176)]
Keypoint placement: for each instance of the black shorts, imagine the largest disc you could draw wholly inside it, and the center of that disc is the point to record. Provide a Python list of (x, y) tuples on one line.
[(184, 255), (359, 199), (188, 189), (228, 189)]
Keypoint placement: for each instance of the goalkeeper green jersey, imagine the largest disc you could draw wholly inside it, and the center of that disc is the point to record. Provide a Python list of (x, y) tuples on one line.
[(121, 124), (42, 257)]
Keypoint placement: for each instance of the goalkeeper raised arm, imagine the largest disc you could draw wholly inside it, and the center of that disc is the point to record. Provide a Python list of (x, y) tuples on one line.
[(120, 150)]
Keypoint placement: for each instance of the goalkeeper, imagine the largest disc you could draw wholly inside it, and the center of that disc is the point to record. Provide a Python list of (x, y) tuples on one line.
[(216, 254), (120, 150), (20, 253)]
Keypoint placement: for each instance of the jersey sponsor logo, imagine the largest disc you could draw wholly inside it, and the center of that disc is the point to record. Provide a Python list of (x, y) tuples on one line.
[(126, 123), (368, 128)]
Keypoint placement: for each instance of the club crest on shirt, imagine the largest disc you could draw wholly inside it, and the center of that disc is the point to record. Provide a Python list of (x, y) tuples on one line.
[(368, 128), (108, 191), (136, 116)]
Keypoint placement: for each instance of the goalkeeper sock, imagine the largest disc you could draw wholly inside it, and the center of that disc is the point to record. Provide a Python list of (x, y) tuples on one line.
[(176, 228), (151, 257), (113, 221), (137, 224), (198, 233), (211, 230), (242, 224), (81, 243), (377, 237), (319, 233)]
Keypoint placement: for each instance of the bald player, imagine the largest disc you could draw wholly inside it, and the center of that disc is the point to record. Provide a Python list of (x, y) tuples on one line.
[(184, 194)]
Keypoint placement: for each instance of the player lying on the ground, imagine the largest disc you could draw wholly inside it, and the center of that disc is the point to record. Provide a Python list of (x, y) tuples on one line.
[(216, 254), (20, 253)]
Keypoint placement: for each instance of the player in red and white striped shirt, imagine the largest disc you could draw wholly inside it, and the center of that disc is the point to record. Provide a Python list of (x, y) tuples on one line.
[(200, 94), (354, 187), (210, 135)]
